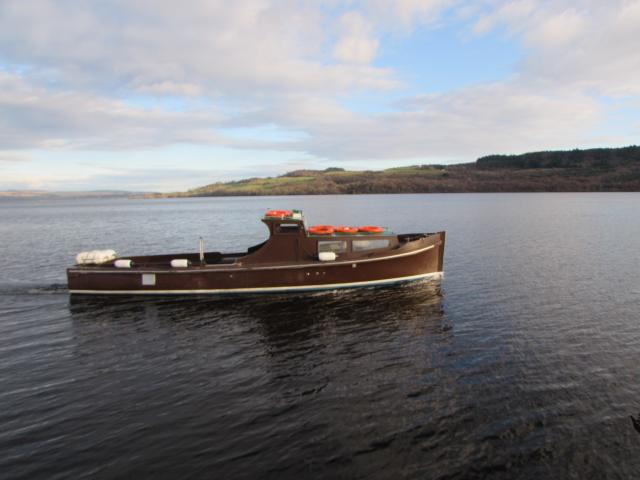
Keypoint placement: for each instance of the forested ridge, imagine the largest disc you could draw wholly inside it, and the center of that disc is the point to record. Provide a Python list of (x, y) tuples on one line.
[(601, 169)]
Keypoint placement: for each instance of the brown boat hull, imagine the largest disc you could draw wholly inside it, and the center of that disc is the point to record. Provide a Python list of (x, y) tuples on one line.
[(420, 260)]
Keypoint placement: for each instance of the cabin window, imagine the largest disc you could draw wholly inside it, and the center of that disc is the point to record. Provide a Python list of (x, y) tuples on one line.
[(335, 246), (363, 245), (288, 228)]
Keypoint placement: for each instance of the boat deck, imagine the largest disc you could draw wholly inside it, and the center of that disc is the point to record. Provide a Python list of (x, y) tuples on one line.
[(218, 259)]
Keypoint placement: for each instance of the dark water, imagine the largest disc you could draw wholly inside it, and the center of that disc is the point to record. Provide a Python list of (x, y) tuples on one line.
[(523, 363)]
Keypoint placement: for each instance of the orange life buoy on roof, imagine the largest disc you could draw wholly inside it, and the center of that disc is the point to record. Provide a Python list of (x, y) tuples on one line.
[(321, 229), (279, 213), (371, 229), (343, 229)]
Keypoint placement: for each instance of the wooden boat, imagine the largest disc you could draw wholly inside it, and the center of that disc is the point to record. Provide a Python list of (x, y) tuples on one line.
[(293, 258)]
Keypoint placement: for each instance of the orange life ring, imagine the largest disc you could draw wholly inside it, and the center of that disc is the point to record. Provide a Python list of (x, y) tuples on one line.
[(279, 213), (370, 229), (321, 230), (343, 229)]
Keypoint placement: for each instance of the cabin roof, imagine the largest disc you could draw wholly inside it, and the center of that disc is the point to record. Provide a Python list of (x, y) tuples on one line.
[(297, 217)]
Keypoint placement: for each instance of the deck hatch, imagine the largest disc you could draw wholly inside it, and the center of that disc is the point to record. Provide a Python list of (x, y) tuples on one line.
[(148, 279)]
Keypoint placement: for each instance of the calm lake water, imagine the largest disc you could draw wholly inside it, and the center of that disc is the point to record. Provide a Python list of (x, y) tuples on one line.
[(524, 362)]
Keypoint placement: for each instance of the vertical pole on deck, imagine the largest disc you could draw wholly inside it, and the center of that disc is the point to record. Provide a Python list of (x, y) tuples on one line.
[(201, 245)]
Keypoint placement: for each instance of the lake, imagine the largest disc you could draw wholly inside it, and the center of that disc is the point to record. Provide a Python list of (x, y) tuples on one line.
[(522, 363)]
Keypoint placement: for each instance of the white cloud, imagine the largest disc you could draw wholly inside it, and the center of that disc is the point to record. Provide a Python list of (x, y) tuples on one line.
[(558, 30), (510, 13), (290, 65), (585, 45), (214, 46), (406, 14), (496, 118), (171, 88), (9, 156), (36, 117), (356, 44)]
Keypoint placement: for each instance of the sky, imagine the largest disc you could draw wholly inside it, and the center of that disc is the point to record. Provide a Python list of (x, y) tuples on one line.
[(161, 95)]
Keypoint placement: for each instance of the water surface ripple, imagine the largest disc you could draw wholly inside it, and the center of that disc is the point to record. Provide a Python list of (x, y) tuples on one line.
[(521, 363)]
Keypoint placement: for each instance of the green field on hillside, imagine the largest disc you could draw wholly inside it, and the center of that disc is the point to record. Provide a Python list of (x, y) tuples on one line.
[(606, 169)]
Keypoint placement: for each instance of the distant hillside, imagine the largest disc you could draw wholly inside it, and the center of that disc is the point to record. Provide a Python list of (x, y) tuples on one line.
[(598, 159), (604, 169)]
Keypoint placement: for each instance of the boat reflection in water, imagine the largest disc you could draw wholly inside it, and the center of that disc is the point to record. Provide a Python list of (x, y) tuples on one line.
[(419, 303), (277, 379), (276, 320)]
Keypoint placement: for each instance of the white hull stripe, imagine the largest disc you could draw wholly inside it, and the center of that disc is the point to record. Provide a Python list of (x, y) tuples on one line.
[(243, 268), (289, 288)]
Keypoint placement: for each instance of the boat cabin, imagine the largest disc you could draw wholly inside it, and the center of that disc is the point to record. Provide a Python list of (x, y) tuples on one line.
[(291, 240)]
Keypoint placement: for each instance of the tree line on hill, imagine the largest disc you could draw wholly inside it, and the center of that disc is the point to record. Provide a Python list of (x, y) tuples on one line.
[(601, 169), (598, 158)]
